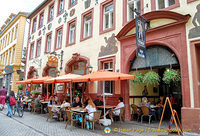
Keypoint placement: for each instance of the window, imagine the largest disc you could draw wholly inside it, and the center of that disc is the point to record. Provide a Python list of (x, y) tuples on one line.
[(10, 58), (51, 10), (41, 20), (108, 16), (131, 5), (16, 30), (34, 25), (87, 26), (72, 3), (38, 48), (72, 33), (13, 57), (48, 43), (13, 34), (58, 38), (61, 6), (31, 51), (161, 4), (108, 85)]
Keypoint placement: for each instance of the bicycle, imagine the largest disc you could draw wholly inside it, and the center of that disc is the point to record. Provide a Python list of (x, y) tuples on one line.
[(19, 108)]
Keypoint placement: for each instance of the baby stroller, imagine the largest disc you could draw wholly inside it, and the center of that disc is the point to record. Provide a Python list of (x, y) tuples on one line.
[(3, 93)]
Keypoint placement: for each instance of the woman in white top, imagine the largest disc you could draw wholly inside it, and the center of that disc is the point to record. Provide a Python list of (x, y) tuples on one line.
[(90, 108)]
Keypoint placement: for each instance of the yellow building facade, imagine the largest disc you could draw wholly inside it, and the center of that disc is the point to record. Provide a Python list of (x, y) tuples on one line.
[(11, 45)]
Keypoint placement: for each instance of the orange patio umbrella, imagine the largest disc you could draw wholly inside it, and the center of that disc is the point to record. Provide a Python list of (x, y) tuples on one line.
[(40, 80), (27, 81), (103, 75), (62, 79)]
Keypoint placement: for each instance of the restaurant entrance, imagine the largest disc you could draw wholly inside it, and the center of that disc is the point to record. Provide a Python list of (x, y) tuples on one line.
[(158, 59)]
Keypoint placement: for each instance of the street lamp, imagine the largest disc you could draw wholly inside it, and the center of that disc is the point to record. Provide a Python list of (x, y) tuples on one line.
[(90, 68), (58, 73)]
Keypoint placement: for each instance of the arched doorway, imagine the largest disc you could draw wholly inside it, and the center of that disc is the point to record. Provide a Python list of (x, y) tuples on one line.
[(158, 59), (77, 65)]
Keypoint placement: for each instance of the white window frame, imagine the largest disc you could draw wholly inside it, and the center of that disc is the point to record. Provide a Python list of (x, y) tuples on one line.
[(41, 19), (109, 69), (110, 17), (61, 6), (32, 51), (51, 12), (72, 33), (48, 48), (34, 26), (38, 48), (166, 2), (87, 22), (72, 2), (130, 2), (59, 39)]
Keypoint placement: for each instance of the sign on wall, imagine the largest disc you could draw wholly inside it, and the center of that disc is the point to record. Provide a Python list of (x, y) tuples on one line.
[(140, 37), (53, 61), (8, 69)]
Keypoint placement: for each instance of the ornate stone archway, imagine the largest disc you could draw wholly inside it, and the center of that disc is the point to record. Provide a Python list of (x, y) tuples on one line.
[(75, 58), (32, 69)]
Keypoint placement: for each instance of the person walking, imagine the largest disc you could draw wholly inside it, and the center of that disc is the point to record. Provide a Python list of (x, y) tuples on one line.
[(10, 101)]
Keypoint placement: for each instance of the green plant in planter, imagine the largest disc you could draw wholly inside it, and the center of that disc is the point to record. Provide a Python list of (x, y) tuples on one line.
[(37, 85), (151, 78), (171, 76), (77, 93), (20, 87), (138, 77)]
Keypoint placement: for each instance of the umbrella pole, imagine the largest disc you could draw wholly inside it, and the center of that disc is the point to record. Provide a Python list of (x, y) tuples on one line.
[(47, 91), (104, 105), (71, 92), (52, 89)]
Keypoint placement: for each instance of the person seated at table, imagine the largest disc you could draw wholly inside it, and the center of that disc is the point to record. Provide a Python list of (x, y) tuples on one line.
[(77, 103), (146, 103), (159, 109), (65, 103), (86, 100), (116, 110), (52, 101), (90, 108), (37, 102), (98, 101), (56, 98)]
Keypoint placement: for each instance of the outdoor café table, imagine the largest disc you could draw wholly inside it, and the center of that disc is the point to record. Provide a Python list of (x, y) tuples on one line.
[(81, 111), (106, 107), (43, 103)]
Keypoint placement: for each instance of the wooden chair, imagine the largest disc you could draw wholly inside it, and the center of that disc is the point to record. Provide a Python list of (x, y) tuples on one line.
[(70, 118), (121, 115), (96, 118), (65, 115), (135, 111), (145, 111), (34, 108), (50, 114)]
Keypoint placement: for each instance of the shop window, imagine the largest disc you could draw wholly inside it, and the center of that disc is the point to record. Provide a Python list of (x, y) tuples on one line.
[(41, 20), (72, 33), (108, 85), (51, 10), (38, 48), (48, 43), (33, 27), (60, 6), (78, 68), (131, 5), (161, 4), (59, 37)]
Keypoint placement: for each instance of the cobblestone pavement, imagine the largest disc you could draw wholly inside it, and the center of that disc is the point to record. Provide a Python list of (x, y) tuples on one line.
[(33, 124)]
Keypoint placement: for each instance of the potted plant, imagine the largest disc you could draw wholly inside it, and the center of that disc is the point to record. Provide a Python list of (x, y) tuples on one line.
[(151, 78), (138, 77), (171, 76), (20, 87)]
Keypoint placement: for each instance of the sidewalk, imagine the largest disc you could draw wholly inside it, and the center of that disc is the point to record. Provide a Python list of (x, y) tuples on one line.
[(33, 124)]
